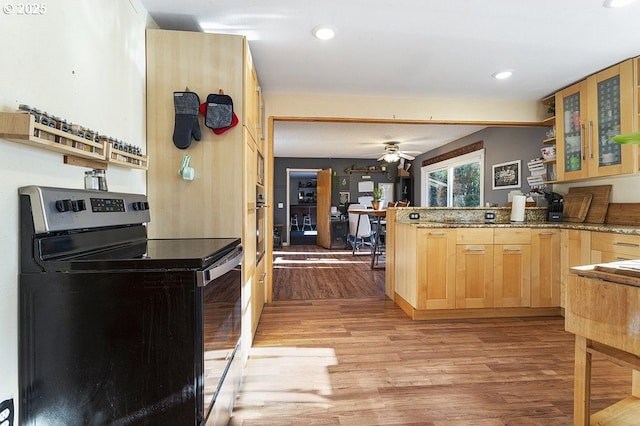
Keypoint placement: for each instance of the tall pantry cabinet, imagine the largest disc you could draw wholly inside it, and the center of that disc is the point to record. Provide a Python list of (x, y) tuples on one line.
[(221, 200)]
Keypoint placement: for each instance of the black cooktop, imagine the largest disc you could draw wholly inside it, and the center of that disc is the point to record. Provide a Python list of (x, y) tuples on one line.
[(187, 253)]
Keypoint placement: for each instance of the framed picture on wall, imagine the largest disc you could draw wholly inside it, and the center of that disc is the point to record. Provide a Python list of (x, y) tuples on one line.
[(344, 183), (344, 197), (507, 175)]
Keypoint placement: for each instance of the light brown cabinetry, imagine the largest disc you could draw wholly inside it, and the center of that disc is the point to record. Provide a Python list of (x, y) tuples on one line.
[(512, 267), (588, 114), (436, 284), (211, 205), (221, 200), (545, 267), (469, 272), (575, 250), (474, 268), (406, 258), (608, 247), (550, 140), (253, 99), (590, 247)]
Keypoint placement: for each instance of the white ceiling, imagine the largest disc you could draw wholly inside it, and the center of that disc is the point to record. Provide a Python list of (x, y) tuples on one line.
[(410, 48)]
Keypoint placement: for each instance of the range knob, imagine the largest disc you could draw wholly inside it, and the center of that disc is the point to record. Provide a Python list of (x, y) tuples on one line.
[(78, 205), (140, 205), (63, 205)]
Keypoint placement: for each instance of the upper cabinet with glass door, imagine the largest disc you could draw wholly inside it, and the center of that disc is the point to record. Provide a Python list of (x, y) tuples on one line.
[(589, 114)]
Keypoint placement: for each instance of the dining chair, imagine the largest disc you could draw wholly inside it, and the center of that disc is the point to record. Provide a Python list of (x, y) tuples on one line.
[(360, 232)]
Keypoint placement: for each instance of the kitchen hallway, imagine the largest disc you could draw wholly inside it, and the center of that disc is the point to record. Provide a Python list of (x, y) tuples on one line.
[(358, 360)]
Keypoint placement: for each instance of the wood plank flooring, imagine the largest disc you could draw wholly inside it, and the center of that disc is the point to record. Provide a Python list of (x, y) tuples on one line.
[(311, 272), (361, 361)]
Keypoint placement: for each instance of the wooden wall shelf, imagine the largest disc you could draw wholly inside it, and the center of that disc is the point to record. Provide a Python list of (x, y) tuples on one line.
[(126, 159), (365, 171), (21, 127)]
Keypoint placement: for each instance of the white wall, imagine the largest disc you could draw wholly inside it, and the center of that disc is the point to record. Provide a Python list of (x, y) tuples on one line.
[(83, 60)]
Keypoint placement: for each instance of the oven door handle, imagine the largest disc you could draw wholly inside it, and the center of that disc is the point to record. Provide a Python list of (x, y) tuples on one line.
[(221, 267)]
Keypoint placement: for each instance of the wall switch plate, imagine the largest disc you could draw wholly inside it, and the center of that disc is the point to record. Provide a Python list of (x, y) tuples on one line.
[(280, 205), (489, 216), (414, 215), (6, 413)]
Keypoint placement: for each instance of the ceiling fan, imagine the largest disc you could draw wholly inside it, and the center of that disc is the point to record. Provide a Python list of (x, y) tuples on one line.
[(392, 153)]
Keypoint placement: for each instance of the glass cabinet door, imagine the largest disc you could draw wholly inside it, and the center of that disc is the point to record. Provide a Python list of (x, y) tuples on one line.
[(571, 114), (609, 152), (573, 149), (610, 106)]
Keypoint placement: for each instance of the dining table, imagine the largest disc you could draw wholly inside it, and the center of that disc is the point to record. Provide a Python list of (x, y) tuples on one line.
[(379, 215)]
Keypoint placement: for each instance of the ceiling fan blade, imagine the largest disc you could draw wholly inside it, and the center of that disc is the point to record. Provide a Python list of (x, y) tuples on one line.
[(405, 156)]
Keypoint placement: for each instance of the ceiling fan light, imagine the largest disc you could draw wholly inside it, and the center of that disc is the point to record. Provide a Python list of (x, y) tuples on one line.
[(391, 157)]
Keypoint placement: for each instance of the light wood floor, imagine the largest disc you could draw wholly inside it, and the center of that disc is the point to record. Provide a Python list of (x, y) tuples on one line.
[(361, 361)]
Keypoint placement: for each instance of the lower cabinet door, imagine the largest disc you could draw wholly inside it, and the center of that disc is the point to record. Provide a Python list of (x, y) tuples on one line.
[(512, 275), (474, 276)]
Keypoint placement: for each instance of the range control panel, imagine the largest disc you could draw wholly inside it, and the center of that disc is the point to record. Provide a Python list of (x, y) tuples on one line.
[(103, 205), (58, 209)]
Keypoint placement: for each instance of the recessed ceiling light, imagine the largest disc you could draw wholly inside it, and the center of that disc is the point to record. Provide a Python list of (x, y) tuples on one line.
[(617, 3), (324, 32), (501, 75)]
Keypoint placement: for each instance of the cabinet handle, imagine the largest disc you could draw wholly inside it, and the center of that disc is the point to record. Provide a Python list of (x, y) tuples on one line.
[(584, 144), (621, 258), (619, 244), (590, 139), (262, 278), (546, 234), (437, 233), (512, 250), (475, 250)]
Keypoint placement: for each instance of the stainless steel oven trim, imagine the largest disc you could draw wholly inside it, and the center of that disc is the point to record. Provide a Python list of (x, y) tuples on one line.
[(221, 267)]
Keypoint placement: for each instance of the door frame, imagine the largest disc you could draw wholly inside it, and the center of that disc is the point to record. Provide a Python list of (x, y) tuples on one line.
[(288, 223)]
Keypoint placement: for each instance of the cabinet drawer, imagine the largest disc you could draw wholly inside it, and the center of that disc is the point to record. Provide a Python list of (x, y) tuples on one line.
[(512, 236), (628, 245), (474, 236)]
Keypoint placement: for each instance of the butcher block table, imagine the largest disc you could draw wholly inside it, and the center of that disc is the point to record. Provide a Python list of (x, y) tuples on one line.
[(603, 311)]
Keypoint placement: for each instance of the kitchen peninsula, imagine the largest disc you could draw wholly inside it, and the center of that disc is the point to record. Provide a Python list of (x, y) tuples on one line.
[(450, 263)]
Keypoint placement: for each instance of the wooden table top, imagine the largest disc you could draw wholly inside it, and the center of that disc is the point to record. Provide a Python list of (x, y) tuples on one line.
[(371, 212), (621, 272)]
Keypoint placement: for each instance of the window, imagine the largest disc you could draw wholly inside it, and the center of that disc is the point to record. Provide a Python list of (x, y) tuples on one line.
[(456, 182)]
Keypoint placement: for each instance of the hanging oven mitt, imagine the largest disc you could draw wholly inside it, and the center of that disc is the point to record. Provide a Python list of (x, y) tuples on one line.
[(186, 122), (219, 111)]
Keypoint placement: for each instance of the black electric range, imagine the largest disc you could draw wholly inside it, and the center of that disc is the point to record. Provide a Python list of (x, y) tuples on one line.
[(116, 328)]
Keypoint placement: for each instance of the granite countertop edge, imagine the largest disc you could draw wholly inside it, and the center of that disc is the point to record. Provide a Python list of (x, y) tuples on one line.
[(600, 227)]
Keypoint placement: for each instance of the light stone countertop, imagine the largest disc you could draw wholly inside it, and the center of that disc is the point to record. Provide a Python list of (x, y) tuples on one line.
[(474, 217), (599, 227)]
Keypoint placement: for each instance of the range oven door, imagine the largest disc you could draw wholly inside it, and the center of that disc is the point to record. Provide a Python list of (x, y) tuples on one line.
[(221, 327)]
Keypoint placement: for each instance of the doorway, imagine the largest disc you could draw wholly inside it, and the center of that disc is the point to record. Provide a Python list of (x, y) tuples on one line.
[(302, 206)]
